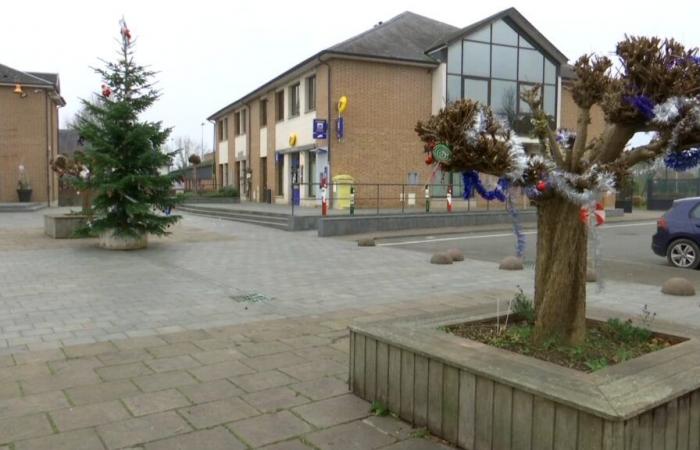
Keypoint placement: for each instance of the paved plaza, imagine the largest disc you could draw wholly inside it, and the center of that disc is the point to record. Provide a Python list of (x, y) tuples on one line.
[(222, 336)]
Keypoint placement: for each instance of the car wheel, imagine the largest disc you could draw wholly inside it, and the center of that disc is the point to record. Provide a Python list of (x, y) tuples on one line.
[(684, 253)]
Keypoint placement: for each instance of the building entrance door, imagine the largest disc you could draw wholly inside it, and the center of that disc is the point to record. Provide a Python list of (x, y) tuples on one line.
[(264, 197), (295, 177)]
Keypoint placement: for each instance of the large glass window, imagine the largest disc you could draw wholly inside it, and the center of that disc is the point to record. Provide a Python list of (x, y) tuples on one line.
[(294, 100), (476, 59), (505, 62), (504, 34), (477, 90), (494, 65), (530, 66)]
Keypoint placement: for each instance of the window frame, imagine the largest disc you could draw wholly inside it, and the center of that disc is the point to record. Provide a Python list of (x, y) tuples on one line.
[(294, 107), (310, 93), (263, 113), (279, 105), (237, 123)]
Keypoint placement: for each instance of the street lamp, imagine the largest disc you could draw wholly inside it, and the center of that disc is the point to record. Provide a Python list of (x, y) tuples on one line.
[(202, 146)]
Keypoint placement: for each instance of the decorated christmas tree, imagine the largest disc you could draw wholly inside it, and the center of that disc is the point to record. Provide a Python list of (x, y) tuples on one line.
[(123, 155), (654, 87)]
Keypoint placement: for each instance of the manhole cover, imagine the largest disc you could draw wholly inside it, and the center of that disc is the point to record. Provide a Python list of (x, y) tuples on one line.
[(251, 298)]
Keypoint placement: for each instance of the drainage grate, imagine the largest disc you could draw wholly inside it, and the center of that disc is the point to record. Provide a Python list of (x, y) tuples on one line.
[(251, 298)]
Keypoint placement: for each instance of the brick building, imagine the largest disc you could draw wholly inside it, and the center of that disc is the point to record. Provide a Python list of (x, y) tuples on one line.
[(29, 103), (392, 75)]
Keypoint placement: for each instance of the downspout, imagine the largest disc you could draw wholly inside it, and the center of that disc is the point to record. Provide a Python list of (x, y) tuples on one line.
[(249, 168), (215, 153), (330, 127), (48, 149)]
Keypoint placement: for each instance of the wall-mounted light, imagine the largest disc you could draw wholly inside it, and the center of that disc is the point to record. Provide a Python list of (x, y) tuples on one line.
[(18, 90)]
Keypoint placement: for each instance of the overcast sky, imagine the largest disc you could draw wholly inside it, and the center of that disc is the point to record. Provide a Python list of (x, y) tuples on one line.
[(211, 53)]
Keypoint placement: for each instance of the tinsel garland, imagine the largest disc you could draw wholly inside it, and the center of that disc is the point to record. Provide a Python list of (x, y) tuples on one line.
[(643, 104), (683, 160), (517, 226), (472, 182)]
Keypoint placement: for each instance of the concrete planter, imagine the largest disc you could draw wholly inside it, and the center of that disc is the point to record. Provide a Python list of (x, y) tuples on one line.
[(63, 226), (204, 199), (110, 241), (479, 397)]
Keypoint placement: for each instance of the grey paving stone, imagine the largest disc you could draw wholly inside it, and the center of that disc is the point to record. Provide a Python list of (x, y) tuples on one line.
[(274, 399), (351, 436), (89, 415), (294, 444), (326, 413), (139, 342), (23, 371), (172, 363), (72, 440), (418, 444), (142, 429), (39, 356), (154, 402), (321, 388), (262, 380), (123, 371), (316, 369), (74, 365), (391, 426), (274, 361), (216, 356), (25, 427), (97, 393), (206, 415), (221, 370), (89, 349), (124, 357), (218, 438), (166, 380), (306, 341), (210, 390), (270, 428), (9, 389), (182, 336), (169, 350), (263, 348), (47, 401), (58, 382)]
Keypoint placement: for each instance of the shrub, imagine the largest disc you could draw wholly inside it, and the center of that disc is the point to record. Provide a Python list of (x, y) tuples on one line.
[(522, 305)]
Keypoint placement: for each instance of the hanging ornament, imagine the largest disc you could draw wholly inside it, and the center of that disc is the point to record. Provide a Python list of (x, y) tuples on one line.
[(598, 214), (541, 186), (442, 153), (683, 160), (429, 159), (126, 34), (106, 91)]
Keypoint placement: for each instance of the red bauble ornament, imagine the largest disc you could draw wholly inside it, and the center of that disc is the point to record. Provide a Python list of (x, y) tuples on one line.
[(106, 91), (429, 159), (541, 186), (431, 145)]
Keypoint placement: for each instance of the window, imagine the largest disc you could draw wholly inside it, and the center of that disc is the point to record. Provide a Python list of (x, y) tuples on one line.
[(220, 130), (454, 88), (223, 130), (482, 34), (279, 105), (505, 62), (244, 121), (477, 90), (311, 93), (504, 100), (504, 34), (454, 57), (294, 100), (237, 123), (263, 113), (531, 66), (476, 59)]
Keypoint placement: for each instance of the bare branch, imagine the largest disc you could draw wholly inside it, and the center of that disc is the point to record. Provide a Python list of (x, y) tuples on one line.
[(582, 122), (533, 98)]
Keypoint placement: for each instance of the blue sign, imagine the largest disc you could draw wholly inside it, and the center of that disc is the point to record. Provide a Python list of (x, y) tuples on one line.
[(320, 129), (340, 127)]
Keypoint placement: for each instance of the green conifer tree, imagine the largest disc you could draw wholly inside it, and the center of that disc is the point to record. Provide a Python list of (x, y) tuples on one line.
[(123, 152)]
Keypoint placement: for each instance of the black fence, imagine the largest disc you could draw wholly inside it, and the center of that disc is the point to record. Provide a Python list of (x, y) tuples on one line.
[(392, 198), (662, 193)]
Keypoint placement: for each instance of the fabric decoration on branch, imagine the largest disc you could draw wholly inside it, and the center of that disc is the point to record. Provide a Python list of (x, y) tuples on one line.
[(126, 34), (643, 104)]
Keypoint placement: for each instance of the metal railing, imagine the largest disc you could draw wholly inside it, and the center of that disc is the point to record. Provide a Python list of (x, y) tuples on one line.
[(391, 198)]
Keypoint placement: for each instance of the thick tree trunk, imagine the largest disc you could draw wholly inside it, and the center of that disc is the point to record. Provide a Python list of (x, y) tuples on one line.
[(560, 278)]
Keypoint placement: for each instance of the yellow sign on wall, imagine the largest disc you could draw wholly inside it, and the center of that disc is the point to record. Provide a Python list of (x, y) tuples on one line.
[(342, 104), (292, 139)]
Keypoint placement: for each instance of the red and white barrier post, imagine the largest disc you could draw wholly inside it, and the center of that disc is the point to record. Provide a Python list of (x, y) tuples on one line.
[(449, 198), (324, 200)]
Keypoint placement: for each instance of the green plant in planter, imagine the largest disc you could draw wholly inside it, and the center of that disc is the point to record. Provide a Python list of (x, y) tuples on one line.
[(123, 152)]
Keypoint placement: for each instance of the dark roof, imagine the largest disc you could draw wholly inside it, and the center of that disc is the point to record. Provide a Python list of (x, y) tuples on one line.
[(68, 141), (404, 37), (520, 21), (8, 75)]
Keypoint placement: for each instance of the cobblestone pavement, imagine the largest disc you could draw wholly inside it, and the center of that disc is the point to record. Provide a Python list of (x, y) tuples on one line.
[(278, 385)]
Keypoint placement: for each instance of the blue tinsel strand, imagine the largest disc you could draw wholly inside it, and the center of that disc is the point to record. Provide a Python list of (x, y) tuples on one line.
[(517, 227), (472, 182), (683, 160), (643, 104)]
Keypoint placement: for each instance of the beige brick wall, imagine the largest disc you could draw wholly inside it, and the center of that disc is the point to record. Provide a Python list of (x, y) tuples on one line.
[(569, 114), (23, 140)]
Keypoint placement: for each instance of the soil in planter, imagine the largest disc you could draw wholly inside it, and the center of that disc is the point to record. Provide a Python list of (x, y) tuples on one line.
[(607, 343)]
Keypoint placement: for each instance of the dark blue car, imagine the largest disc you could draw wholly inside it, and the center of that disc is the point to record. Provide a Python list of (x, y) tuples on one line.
[(678, 234)]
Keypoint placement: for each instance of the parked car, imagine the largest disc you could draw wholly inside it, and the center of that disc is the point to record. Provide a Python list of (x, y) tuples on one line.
[(678, 234)]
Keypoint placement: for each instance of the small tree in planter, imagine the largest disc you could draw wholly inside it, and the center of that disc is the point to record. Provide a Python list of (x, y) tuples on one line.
[(195, 160), (24, 187), (123, 156), (656, 90)]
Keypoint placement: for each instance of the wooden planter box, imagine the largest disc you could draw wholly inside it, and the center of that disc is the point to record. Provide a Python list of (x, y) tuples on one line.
[(483, 398), (62, 226)]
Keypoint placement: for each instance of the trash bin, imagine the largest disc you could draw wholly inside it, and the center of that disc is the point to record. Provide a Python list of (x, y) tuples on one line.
[(341, 191), (268, 195)]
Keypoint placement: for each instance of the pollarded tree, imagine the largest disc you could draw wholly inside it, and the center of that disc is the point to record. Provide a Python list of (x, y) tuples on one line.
[(123, 153), (655, 88)]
